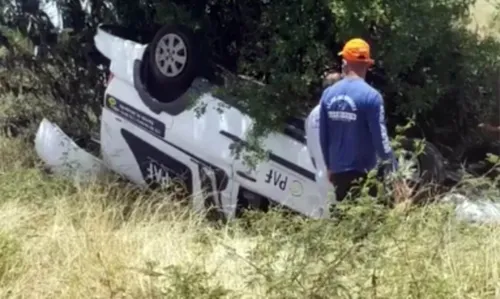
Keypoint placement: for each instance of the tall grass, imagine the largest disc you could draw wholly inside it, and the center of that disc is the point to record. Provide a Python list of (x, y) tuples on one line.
[(58, 240), (108, 240)]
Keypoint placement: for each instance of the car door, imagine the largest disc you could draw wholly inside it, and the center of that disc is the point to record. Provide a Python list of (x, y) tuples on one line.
[(286, 178), (143, 158)]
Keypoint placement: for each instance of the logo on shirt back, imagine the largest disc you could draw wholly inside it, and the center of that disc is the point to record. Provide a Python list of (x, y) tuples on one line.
[(342, 103)]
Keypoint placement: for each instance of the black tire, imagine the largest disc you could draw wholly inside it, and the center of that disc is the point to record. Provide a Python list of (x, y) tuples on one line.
[(181, 75), (431, 162)]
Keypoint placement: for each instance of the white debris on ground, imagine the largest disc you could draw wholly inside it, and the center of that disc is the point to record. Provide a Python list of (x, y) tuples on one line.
[(454, 198), (478, 211), (474, 211)]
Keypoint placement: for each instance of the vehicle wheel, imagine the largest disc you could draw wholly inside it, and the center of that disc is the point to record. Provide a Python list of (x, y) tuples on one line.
[(174, 57), (429, 165)]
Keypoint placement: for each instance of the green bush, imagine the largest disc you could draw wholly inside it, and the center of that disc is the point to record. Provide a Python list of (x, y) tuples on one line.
[(428, 64)]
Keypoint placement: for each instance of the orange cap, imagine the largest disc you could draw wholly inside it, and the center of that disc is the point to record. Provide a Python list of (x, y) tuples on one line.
[(356, 49)]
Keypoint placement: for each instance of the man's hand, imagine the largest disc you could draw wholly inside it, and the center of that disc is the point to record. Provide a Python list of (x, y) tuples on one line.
[(490, 131), (489, 128)]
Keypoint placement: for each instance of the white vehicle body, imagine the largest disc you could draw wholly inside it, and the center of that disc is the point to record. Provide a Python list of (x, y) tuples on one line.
[(149, 146), (152, 135)]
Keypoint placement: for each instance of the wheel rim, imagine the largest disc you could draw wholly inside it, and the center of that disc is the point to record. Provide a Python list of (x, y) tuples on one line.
[(171, 55), (413, 165)]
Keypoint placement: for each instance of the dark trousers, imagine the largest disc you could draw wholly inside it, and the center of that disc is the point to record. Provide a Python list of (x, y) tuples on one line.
[(349, 181)]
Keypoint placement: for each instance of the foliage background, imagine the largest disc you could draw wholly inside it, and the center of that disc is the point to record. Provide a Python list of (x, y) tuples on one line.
[(430, 65), (61, 240)]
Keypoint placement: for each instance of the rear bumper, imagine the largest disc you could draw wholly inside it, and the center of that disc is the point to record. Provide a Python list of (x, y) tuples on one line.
[(64, 157), (113, 46)]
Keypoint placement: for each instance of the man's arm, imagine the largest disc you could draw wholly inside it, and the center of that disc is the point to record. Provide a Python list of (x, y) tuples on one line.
[(378, 130), (323, 132)]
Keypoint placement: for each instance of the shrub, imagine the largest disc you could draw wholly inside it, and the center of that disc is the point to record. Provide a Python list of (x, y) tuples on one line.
[(428, 64), (63, 86)]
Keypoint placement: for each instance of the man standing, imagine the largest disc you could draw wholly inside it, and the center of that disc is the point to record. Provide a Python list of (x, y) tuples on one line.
[(352, 122), (312, 139)]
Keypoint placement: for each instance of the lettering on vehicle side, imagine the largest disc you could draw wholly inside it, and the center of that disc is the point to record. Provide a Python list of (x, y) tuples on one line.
[(277, 179), (283, 182), (158, 169), (135, 116), (157, 173)]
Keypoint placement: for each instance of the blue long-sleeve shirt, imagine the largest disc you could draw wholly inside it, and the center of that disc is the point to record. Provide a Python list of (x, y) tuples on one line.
[(352, 127)]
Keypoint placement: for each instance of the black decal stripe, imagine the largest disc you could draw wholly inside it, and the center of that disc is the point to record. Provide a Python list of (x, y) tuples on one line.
[(155, 164), (294, 167), (277, 159), (246, 176), (220, 175)]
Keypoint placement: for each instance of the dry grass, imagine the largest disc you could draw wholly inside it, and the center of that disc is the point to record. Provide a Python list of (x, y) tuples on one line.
[(58, 240)]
